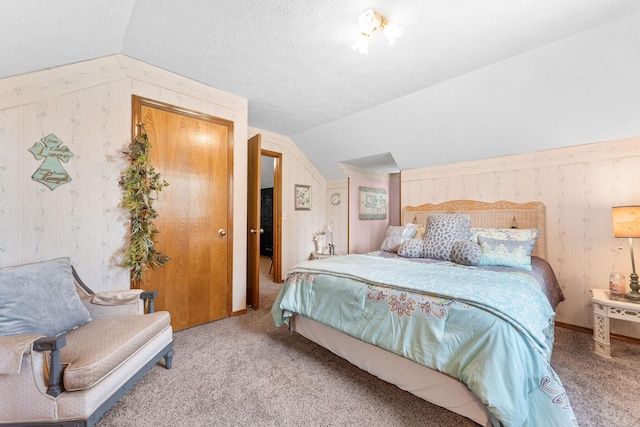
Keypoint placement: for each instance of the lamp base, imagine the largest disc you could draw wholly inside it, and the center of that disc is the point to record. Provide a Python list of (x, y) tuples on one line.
[(632, 296)]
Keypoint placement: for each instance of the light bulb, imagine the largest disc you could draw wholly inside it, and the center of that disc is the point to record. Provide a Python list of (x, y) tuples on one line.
[(362, 44), (369, 21), (392, 32)]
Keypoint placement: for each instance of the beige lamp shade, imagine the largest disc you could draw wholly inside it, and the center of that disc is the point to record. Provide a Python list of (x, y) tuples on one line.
[(626, 221)]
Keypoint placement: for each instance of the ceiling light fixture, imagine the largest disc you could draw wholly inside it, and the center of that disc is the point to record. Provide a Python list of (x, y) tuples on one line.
[(369, 21)]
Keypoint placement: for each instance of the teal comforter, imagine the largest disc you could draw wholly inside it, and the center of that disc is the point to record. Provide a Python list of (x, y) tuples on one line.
[(491, 330)]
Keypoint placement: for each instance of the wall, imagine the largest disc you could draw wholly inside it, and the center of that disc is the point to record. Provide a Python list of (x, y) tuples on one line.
[(338, 215), (578, 186), (297, 226), (367, 235), (88, 106)]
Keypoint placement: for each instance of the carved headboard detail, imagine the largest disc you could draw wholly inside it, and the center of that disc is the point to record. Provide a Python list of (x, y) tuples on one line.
[(500, 214)]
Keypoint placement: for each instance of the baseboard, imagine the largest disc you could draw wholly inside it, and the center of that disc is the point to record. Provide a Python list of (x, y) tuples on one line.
[(590, 331), (239, 312)]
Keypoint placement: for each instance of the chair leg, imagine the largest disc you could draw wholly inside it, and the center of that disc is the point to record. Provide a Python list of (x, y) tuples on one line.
[(168, 357)]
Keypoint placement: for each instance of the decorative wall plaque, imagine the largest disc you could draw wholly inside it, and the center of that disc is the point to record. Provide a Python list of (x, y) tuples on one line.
[(51, 173), (373, 203)]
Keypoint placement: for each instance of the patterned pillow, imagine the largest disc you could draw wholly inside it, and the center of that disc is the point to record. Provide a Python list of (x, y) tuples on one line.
[(420, 229), (506, 253), (505, 233), (466, 252), (411, 248), (443, 230)]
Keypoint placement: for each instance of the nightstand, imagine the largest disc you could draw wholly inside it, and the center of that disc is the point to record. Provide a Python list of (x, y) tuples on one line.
[(605, 308)]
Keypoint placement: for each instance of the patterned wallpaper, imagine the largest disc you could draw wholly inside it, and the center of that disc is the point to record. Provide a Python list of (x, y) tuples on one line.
[(88, 106), (578, 186), (338, 215)]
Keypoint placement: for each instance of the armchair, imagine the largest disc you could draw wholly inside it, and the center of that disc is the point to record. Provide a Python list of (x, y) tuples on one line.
[(68, 354)]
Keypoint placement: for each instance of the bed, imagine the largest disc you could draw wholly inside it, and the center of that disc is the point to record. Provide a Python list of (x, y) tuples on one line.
[(474, 339)]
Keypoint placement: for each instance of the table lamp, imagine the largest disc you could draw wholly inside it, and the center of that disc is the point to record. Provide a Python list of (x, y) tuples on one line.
[(626, 223)]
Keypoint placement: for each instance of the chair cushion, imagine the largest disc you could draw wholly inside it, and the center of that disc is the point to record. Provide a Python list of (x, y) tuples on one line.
[(40, 298), (101, 346)]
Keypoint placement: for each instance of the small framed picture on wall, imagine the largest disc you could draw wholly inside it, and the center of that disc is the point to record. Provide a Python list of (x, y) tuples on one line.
[(302, 197)]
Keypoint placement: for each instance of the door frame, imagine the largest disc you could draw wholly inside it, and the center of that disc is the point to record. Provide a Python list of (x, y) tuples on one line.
[(136, 104)]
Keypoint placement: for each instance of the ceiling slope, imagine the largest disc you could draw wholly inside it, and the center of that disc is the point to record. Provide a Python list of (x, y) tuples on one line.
[(293, 61)]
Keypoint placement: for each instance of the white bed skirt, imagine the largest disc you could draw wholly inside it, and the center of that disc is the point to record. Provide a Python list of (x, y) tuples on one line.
[(427, 384)]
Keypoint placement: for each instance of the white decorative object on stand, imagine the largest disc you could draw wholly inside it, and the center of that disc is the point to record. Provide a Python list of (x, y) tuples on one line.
[(604, 309), (321, 243)]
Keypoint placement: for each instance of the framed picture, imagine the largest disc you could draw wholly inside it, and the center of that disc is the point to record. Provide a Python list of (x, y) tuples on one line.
[(302, 197), (373, 203)]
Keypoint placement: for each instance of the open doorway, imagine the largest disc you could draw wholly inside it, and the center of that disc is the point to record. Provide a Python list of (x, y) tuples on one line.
[(271, 211), (267, 171)]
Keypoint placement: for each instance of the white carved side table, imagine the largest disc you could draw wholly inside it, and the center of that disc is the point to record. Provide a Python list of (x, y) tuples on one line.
[(605, 308)]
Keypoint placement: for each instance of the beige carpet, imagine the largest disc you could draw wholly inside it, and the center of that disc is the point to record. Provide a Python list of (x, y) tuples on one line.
[(244, 371)]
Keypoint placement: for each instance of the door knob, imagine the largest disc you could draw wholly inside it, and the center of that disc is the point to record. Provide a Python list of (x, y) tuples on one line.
[(262, 231), (222, 232)]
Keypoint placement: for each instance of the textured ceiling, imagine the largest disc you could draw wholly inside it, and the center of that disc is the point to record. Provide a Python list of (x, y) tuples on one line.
[(292, 59)]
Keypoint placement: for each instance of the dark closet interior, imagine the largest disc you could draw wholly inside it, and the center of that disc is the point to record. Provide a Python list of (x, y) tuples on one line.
[(266, 222)]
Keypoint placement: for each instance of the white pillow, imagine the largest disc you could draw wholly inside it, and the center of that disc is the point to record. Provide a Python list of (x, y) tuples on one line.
[(401, 230), (396, 234)]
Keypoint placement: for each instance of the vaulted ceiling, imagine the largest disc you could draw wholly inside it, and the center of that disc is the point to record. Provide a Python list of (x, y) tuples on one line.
[(467, 79)]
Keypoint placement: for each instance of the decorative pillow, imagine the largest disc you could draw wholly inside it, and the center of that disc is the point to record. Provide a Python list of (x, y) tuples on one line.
[(395, 235), (411, 248), (420, 229), (443, 230), (40, 298), (505, 233), (466, 252), (506, 253)]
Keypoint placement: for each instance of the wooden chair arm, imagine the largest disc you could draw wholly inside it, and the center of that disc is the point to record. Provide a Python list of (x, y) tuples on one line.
[(53, 344), (149, 297)]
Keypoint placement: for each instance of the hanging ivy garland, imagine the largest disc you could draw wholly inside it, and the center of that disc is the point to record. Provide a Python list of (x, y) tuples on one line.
[(141, 185)]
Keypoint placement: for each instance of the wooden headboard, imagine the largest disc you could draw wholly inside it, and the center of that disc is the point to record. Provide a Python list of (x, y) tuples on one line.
[(500, 214)]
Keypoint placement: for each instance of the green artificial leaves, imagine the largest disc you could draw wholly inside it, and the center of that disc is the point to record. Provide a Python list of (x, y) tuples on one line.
[(141, 185)]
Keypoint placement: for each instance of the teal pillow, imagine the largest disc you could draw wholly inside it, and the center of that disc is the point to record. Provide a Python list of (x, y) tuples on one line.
[(506, 253), (40, 298)]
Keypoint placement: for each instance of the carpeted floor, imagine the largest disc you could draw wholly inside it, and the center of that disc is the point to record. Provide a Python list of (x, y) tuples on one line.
[(244, 371)]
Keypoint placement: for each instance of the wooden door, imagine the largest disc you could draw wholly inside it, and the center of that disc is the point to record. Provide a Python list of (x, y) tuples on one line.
[(193, 153), (253, 223)]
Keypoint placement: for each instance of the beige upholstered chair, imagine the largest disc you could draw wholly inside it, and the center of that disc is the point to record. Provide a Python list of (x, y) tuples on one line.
[(70, 372)]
